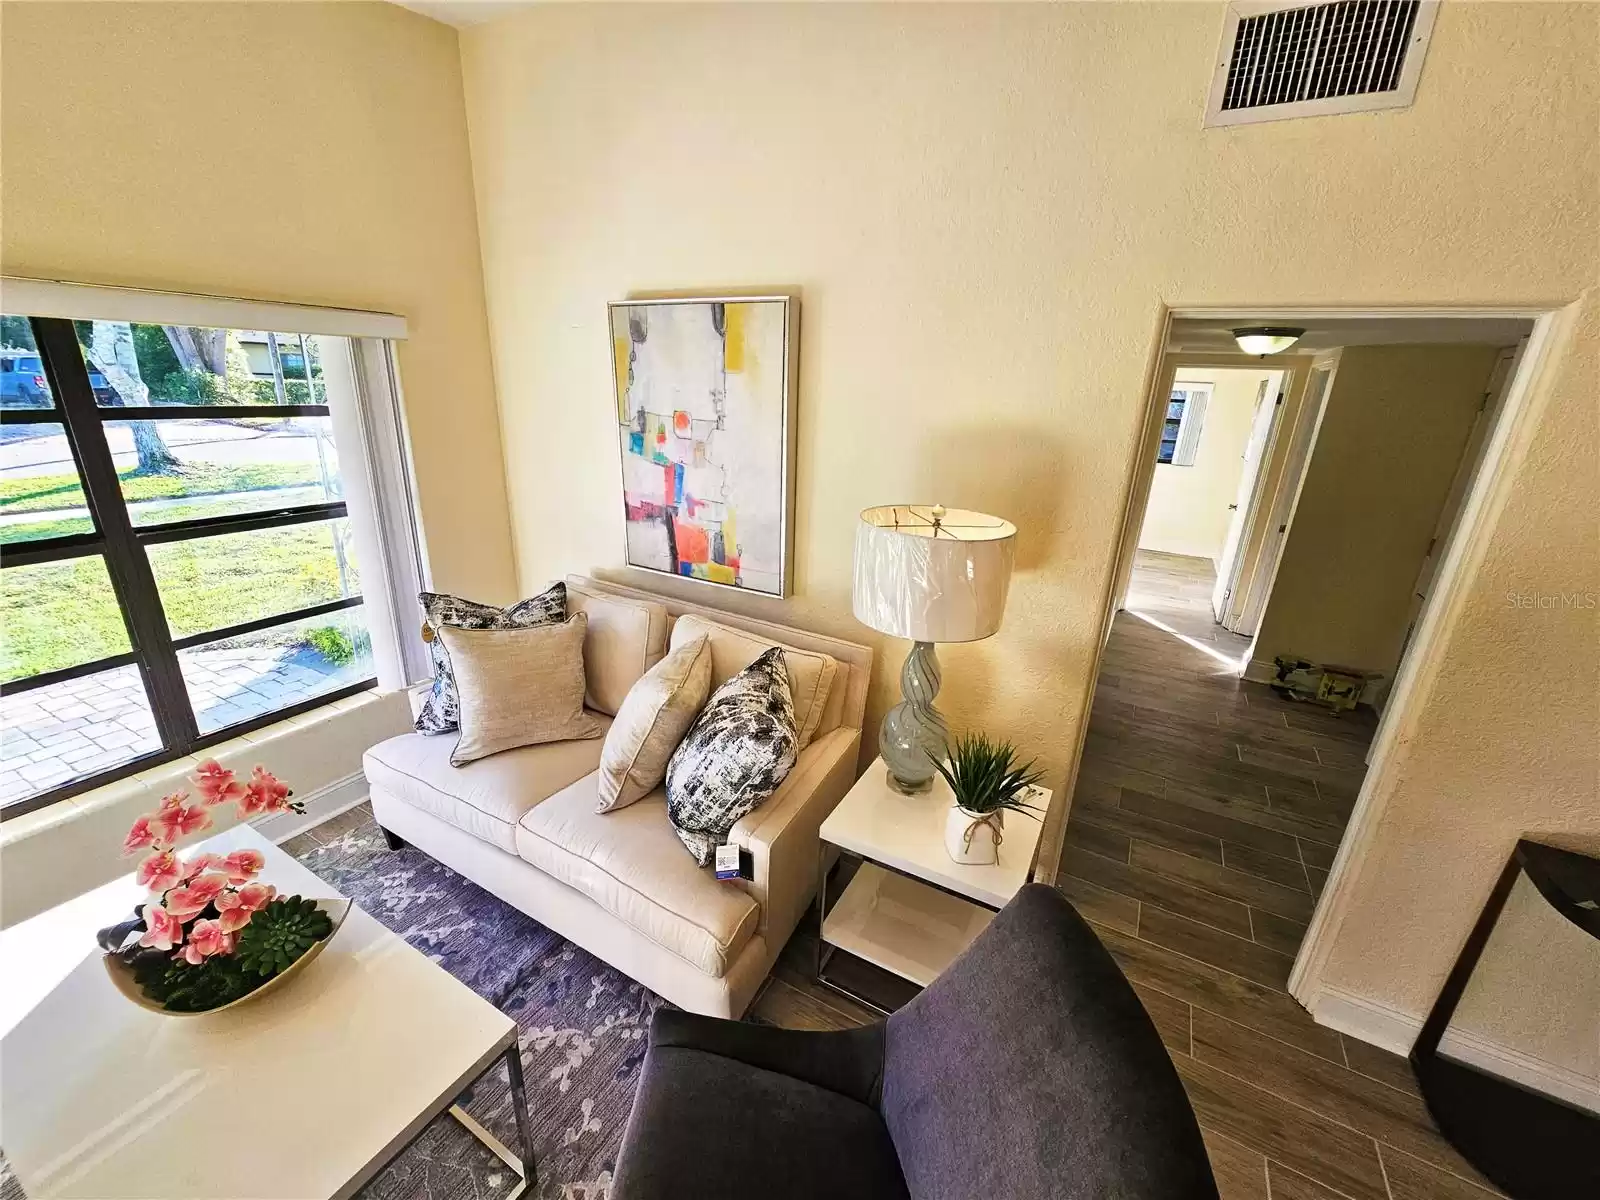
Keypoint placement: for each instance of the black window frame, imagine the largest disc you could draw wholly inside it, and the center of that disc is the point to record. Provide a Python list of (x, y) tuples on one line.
[(122, 546), (1164, 456)]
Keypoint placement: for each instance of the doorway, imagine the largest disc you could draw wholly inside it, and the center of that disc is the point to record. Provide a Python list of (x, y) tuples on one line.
[(1209, 809)]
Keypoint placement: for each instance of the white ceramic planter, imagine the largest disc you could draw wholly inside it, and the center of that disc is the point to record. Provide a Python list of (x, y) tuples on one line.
[(980, 849)]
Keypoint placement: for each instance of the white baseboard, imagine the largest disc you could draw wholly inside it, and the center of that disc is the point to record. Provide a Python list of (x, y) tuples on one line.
[(1395, 1031), (1534, 1073), (1366, 1020), (1259, 671), (321, 805)]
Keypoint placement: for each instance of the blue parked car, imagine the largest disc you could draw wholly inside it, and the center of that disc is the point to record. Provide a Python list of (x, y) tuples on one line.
[(22, 381)]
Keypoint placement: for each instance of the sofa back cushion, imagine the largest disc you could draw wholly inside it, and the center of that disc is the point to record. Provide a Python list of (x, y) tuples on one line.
[(626, 638), (811, 674)]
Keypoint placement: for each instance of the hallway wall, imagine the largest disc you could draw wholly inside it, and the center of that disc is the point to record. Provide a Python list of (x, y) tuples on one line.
[(1188, 510), (1392, 436)]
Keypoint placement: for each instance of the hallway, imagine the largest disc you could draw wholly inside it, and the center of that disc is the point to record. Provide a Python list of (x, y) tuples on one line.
[(1207, 809)]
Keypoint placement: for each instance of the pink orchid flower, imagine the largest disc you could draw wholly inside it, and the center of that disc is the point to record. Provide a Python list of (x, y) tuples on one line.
[(199, 864), (237, 907), (266, 794), (139, 837), (163, 931), (193, 897), (242, 865), (174, 818), (216, 784), (205, 939), (159, 872)]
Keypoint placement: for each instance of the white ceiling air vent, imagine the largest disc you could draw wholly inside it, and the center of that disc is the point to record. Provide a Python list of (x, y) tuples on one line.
[(1282, 60)]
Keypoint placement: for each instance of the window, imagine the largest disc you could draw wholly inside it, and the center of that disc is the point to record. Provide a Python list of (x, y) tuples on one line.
[(177, 563), (1180, 429)]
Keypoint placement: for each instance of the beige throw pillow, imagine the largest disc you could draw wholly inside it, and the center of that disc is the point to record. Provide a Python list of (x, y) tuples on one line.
[(519, 687), (653, 718)]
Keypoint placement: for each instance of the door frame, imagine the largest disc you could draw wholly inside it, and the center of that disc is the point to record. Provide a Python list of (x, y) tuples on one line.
[(1512, 428)]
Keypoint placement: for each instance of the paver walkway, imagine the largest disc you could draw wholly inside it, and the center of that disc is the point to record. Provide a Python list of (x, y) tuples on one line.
[(54, 734)]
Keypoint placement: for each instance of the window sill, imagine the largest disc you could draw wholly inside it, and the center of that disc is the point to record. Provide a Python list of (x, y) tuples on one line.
[(74, 845)]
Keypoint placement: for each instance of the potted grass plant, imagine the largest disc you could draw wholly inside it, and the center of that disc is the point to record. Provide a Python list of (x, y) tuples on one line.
[(986, 782)]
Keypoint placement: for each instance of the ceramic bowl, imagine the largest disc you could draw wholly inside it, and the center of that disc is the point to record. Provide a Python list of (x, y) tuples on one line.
[(122, 974)]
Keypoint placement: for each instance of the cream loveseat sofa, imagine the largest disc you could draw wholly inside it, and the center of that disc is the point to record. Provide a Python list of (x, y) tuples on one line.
[(522, 824)]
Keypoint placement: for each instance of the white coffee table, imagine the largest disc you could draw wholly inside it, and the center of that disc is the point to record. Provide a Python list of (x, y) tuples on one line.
[(307, 1092), (910, 909)]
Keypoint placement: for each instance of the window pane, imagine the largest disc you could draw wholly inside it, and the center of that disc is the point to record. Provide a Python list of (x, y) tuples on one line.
[(173, 364), (40, 494), (56, 615), (22, 380), (214, 582), (1175, 409), (53, 735), (226, 468), (240, 678)]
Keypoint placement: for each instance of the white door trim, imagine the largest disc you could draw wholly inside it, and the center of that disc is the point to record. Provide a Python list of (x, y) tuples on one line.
[(1512, 428)]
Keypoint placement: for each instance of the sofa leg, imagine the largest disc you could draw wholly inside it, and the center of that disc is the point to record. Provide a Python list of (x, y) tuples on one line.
[(392, 840)]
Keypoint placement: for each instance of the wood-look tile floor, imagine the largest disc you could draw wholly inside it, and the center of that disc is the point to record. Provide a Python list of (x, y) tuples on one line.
[(1201, 830)]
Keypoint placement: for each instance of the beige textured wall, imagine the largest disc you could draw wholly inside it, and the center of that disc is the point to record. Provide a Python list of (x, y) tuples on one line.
[(1393, 433), (984, 209), (1506, 737), (1188, 509), (309, 152)]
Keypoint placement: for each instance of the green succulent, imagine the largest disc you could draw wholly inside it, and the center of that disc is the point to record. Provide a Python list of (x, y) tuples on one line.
[(179, 986), (985, 777), (280, 933)]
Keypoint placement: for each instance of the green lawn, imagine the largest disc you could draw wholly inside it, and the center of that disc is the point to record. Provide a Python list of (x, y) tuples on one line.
[(58, 614), (46, 493)]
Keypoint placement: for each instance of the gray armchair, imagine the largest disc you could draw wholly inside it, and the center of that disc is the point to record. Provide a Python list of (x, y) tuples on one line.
[(1028, 1071)]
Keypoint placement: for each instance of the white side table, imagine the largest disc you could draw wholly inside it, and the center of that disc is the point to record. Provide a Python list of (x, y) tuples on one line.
[(910, 909)]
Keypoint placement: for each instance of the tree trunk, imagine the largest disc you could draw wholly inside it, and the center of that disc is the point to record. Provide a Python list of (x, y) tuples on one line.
[(111, 350), (199, 349)]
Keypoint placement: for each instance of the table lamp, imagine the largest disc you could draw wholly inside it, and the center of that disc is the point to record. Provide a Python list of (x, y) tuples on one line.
[(930, 574)]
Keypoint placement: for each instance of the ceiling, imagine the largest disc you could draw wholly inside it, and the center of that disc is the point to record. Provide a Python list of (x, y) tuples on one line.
[(461, 13), (1215, 334)]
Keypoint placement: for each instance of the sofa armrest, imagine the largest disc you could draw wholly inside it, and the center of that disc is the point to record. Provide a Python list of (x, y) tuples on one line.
[(781, 835)]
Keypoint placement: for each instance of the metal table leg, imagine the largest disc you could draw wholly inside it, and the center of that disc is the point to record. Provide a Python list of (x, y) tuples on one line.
[(523, 1165)]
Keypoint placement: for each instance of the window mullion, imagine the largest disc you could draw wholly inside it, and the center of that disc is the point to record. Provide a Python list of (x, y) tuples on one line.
[(129, 568)]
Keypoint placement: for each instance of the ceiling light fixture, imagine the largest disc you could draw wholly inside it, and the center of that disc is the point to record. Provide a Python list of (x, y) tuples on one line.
[(1262, 340)]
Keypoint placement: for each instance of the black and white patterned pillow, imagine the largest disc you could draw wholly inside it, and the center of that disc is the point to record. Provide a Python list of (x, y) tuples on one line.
[(441, 709), (736, 754)]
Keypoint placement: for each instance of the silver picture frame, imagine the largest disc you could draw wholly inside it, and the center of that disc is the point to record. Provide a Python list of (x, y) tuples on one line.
[(790, 360)]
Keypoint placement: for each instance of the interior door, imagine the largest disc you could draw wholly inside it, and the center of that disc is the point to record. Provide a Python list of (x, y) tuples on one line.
[(1269, 400)]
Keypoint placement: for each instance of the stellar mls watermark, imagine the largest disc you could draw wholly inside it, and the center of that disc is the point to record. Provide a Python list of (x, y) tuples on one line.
[(1553, 601)]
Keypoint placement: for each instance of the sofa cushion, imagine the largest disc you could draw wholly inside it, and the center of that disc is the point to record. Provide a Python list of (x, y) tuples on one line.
[(811, 674), (627, 636), (630, 863), (484, 798)]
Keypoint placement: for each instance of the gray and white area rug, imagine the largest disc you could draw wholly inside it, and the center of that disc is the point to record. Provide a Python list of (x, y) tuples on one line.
[(583, 1024)]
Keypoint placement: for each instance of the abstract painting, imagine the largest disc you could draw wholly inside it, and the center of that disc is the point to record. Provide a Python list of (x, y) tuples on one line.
[(704, 392)]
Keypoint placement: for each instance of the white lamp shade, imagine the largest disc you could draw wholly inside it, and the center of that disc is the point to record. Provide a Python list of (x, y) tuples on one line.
[(932, 574)]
